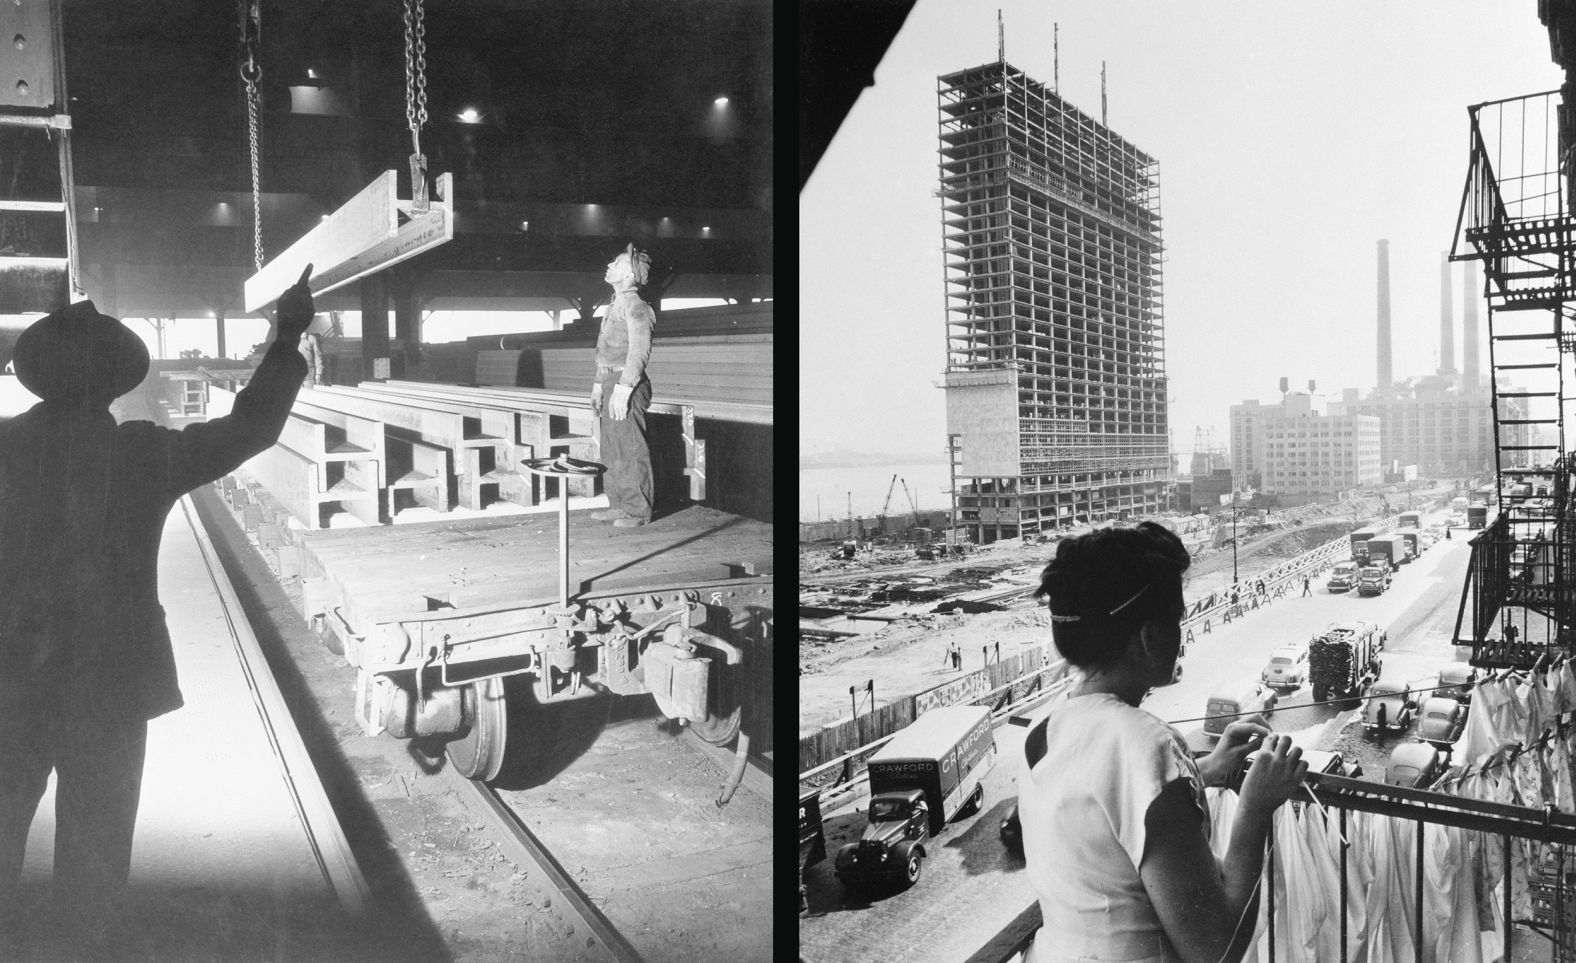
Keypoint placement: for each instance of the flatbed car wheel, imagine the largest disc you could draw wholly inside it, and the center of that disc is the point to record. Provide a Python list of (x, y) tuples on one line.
[(722, 725), (478, 753)]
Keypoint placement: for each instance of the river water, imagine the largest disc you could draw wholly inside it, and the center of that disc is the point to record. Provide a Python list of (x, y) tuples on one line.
[(825, 491)]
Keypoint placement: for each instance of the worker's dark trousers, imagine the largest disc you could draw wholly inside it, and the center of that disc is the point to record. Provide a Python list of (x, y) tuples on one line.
[(98, 767), (624, 451)]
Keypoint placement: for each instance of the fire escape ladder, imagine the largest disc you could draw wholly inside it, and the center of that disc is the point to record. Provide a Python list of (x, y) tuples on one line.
[(1515, 217)]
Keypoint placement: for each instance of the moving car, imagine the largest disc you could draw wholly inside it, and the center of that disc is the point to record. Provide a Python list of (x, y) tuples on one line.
[(1373, 579), (1342, 577), (1441, 720), (1287, 668), (1415, 765), (1389, 707)]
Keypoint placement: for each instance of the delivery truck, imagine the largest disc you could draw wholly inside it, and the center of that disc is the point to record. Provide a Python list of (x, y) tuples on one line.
[(1411, 520), (1360, 539), (1414, 540), (929, 774), (1477, 515), (1388, 550)]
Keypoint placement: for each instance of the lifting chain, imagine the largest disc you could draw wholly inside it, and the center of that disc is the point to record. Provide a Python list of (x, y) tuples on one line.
[(416, 97), (251, 75)]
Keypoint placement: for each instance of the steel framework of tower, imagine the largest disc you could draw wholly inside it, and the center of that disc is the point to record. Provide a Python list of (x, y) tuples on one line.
[(1516, 217), (1056, 385)]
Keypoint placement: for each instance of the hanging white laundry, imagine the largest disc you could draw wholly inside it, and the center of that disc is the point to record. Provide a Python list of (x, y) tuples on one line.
[(1539, 710), (1567, 685), (1450, 932), (1559, 695), (1487, 729), (1222, 813), (1558, 756), (1391, 894), (1502, 788), (1324, 852), (1314, 920)]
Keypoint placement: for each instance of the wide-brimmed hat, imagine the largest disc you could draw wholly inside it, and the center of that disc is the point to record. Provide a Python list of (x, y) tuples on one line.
[(79, 353)]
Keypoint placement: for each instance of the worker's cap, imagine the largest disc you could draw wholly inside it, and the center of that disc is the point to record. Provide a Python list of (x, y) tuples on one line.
[(79, 354)]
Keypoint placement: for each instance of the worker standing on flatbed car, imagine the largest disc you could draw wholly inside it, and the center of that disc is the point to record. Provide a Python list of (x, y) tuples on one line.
[(85, 655), (622, 392)]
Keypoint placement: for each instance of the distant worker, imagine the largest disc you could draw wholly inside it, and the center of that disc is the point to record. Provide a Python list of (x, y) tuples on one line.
[(86, 652), (1306, 590), (1511, 632), (622, 392), (312, 350)]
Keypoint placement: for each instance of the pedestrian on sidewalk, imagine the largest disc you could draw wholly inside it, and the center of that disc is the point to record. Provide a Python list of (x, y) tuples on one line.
[(1306, 591), (1111, 802)]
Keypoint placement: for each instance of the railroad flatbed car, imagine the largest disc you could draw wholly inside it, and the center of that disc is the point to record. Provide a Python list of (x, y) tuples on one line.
[(435, 615)]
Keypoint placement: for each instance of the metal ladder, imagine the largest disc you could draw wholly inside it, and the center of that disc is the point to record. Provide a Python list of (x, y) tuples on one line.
[(39, 266)]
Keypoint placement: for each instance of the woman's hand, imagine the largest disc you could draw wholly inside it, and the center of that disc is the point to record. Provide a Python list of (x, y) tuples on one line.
[(1220, 767), (1275, 775)]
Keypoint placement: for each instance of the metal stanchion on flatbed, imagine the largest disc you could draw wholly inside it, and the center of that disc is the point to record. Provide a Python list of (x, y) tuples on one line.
[(563, 468)]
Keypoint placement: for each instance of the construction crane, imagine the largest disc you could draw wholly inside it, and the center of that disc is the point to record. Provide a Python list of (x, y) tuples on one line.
[(911, 502), (888, 503)]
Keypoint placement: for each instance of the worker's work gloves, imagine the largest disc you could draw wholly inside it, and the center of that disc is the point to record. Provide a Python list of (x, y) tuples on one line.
[(294, 312), (596, 399), (618, 405)]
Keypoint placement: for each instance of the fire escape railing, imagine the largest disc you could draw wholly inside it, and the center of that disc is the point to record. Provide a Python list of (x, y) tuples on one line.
[(1515, 217)]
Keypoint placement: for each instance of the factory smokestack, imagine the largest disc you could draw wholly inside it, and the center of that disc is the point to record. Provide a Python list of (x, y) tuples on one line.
[(1469, 326), (1384, 314), (1447, 332)]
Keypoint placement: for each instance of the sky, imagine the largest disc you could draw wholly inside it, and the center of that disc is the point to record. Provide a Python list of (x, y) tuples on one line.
[(1290, 139)]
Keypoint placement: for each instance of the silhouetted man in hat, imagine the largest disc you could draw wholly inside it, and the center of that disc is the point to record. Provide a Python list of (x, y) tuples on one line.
[(622, 392), (85, 657)]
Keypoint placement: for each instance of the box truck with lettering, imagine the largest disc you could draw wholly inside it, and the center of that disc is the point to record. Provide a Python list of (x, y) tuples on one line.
[(927, 775)]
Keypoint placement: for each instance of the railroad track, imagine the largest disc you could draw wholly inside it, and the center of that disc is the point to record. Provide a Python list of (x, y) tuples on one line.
[(534, 829)]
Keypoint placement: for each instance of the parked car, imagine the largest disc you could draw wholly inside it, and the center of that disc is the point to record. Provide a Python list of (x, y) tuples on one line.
[(1318, 760), (1287, 668), (1231, 702), (1342, 577), (1456, 680), (1389, 707), (1415, 765), (1441, 720)]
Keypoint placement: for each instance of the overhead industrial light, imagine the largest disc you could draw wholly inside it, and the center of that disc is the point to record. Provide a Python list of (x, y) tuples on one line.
[(721, 101), (469, 116)]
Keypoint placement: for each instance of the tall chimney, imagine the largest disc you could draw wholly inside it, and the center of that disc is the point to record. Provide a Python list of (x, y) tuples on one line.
[(1384, 314), (1469, 326), (1447, 333)]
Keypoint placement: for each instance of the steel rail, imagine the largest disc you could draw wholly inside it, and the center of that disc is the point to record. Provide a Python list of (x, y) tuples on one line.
[(324, 834), (521, 845)]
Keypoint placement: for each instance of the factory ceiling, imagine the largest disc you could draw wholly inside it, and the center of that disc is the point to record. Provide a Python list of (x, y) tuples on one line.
[(570, 127)]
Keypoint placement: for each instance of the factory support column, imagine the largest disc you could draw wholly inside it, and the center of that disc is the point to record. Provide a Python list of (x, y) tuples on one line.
[(375, 328), (218, 324), (407, 322)]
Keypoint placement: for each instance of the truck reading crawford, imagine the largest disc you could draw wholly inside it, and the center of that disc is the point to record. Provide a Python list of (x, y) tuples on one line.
[(928, 774)]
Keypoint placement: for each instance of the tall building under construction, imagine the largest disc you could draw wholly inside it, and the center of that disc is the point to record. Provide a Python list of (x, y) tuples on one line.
[(1056, 383)]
